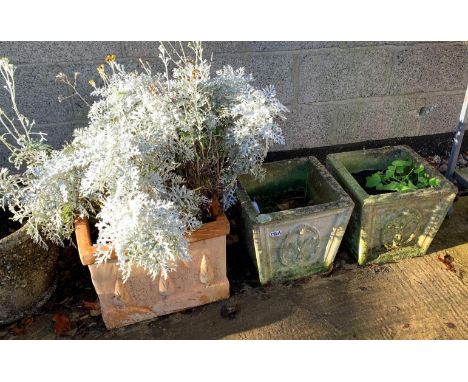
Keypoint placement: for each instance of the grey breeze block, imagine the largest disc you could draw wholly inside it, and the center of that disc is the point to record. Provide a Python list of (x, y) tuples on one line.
[(396, 225), (297, 242)]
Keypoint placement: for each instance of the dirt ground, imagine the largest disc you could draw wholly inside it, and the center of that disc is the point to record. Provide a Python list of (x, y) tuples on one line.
[(420, 298)]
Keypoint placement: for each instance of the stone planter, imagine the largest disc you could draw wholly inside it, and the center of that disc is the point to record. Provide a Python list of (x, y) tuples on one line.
[(294, 243), (200, 281), (391, 226), (27, 275)]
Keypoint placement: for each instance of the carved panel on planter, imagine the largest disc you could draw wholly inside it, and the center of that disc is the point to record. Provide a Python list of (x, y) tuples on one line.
[(206, 272), (400, 228), (166, 286), (299, 245)]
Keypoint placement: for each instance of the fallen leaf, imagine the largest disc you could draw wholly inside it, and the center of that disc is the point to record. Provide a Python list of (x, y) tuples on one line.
[(448, 262), (62, 324), (90, 305), (17, 330), (27, 321), (94, 308)]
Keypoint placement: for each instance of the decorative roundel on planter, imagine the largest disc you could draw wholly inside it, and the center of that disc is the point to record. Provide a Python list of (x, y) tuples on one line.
[(299, 245), (400, 228)]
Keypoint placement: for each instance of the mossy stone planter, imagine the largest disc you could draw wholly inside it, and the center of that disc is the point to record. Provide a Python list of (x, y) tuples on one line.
[(396, 225), (27, 275), (294, 243)]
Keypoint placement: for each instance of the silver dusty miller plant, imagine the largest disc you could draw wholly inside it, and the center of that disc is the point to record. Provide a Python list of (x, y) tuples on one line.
[(158, 149)]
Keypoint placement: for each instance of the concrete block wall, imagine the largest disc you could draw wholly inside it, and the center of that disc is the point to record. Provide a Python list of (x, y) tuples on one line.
[(337, 92)]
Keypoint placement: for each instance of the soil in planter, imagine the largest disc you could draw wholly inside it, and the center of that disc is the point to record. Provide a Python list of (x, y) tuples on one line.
[(283, 200), (7, 226), (361, 179)]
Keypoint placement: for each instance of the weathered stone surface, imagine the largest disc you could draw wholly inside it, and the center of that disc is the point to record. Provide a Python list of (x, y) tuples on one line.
[(27, 275), (461, 175), (37, 95), (57, 135), (278, 46), (201, 281), (4, 155), (297, 242), (390, 226), (140, 49), (306, 126), (48, 52), (249, 46), (343, 74), (353, 121), (439, 113), (361, 120), (327, 84), (429, 68), (267, 69)]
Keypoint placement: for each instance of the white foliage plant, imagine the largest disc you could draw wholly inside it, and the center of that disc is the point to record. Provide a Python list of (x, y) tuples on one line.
[(158, 149)]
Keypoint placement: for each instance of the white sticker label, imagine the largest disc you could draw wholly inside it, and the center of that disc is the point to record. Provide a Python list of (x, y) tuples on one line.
[(275, 233)]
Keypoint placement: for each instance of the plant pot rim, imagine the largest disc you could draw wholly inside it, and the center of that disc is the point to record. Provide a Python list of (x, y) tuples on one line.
[(363, 197), (87, 250), (342, 201), (13, 236)]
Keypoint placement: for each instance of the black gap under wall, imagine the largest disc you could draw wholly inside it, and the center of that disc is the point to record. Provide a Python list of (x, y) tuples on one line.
[(425, 145)]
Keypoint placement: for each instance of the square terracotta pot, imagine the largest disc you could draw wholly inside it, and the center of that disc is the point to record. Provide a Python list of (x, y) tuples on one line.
[(396, 225), (296, 242), (201, 281)]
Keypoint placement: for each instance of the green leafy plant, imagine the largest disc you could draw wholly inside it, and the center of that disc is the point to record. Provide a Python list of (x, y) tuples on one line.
[(401, 176)]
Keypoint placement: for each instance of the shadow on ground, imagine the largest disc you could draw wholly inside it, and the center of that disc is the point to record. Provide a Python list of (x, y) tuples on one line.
[(420, 298)]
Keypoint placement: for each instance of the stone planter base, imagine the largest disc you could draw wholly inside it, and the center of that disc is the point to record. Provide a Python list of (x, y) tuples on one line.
[(396, 225), (200, 281), (297, 242), (27, 275)]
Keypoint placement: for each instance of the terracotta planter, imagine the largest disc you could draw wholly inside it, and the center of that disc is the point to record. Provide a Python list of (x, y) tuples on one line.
[(27, 275), (295, 242), (395, 225), (200, 281)]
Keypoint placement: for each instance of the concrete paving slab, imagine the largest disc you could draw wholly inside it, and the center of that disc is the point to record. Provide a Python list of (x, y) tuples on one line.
[(419, 298)]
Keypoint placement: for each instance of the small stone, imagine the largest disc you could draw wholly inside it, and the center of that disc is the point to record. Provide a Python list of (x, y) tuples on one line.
[(283, 206), (443, 167), (229, 312), (462, 161), (95, 313)]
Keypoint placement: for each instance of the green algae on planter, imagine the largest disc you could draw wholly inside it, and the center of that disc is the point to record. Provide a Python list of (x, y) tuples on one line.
[(396, 225), (27, 275), (297, 242)]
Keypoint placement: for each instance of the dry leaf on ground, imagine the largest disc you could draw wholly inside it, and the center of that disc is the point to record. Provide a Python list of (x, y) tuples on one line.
[(62, 324)]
